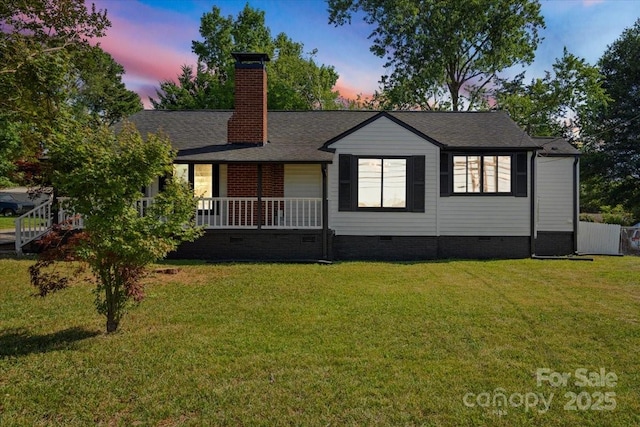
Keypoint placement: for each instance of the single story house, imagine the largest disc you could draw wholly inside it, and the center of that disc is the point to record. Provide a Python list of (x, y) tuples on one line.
[(390, 185)]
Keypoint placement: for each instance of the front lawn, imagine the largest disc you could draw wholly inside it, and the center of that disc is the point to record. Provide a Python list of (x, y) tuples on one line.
[(435, 343), (7, 222)]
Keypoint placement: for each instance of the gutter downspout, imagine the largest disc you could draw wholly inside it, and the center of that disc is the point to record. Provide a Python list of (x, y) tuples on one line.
[(576, 217), (259, 196), (325, 214), (533, 231)]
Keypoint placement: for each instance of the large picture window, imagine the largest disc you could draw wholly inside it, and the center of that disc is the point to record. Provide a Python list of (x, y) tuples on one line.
[(482, 174), (381, 183)]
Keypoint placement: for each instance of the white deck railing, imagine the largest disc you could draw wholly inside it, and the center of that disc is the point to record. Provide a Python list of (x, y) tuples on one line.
[(32, 225), (273, 213)]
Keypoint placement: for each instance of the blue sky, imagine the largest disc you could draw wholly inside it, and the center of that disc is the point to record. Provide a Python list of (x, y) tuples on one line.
[(152, 38)]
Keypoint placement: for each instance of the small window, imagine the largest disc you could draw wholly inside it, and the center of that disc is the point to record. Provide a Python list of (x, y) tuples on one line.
[(181, 171), (203, 178), (482, 174), (203, 181)]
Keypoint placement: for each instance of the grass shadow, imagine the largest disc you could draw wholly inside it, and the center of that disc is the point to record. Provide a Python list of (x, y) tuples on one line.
[(20, 342)]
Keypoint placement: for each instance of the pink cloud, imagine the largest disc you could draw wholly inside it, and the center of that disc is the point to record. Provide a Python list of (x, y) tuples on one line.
[(150, 44), (589, 3), (349, 92), (141, 53), (146, 59)]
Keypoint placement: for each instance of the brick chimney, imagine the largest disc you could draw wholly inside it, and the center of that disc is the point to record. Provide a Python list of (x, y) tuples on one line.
[(248, 124)]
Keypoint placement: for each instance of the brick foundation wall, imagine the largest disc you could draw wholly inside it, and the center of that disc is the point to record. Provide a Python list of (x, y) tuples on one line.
[(484, 247), (384, 248), (289, 245), (414, 248), (551, 243)]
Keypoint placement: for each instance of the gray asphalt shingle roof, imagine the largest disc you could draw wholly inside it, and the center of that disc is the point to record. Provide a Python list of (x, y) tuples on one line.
[(556, 147), (299, 136)]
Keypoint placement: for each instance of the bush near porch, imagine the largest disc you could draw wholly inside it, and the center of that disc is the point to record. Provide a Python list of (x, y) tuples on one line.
[(345, 344)]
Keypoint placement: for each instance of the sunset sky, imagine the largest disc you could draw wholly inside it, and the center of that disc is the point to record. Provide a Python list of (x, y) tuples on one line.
[(152, 38)]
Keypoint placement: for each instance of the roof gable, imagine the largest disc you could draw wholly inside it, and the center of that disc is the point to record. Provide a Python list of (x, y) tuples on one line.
[(327, 145)]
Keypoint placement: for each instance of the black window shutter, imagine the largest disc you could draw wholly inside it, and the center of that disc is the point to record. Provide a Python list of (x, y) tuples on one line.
[(162, 183), (417, 184), (520, 181), (191, 174), (346, 171), (215, 180), (445, 174)]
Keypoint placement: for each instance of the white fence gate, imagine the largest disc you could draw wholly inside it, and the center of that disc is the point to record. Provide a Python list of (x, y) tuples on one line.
[(598, 239)]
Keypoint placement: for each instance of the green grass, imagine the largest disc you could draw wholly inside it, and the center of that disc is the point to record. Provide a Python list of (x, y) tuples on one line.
[(347, 344), (7, 222)]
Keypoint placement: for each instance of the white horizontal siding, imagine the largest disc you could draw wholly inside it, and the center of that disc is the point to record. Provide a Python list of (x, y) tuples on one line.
[(152, 189), (383, 137), (479, 215), (554, 211), (485, 216), (302, 181)]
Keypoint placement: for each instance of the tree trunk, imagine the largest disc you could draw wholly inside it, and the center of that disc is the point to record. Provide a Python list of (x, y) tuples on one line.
[(112, 323)]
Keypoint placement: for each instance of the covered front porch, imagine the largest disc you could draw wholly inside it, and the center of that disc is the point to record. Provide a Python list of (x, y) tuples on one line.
[(270, 196), (212, 213)]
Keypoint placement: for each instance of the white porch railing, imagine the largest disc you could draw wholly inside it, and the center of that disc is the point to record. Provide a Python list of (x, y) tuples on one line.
[(293, 212), (239, 212), (274, 213), (77, 222), (215, 212), (32, 225)]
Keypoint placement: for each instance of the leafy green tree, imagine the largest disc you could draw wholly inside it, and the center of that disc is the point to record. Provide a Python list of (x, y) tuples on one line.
[(554, 104), (47, 66), (102, 173), (97, 89), (33, 29), (444, 54), (296, 81), (612, 160), (35, 41), (193, 90)]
